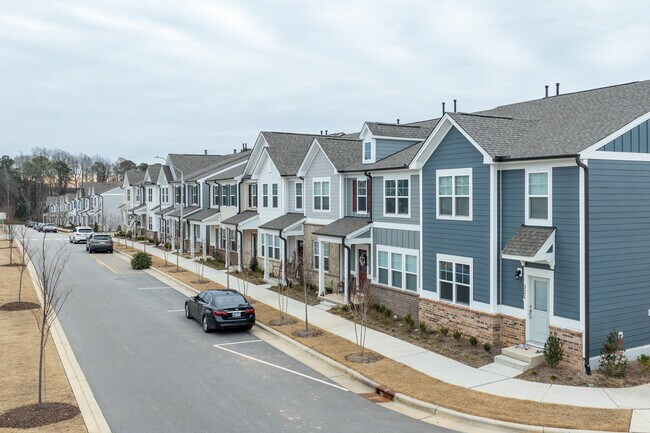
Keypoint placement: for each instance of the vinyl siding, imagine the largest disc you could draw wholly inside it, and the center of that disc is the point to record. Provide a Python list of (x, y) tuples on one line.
[(378, 200), (205, 198), (322, 168), (566, 212), (636, 140), (460, 238), (395, 238), (512, 201), (386, 147), (619, 251), (349, 198), (268, 175)]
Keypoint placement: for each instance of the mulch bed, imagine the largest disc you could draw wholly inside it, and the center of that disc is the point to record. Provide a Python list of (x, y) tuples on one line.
[(366, 358), (564, 376), (38, 415), (19, 306), (307, 333), (282, 322), (297, 292)]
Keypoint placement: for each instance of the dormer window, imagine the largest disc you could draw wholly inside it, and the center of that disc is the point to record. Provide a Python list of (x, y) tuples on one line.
[(368, 152)]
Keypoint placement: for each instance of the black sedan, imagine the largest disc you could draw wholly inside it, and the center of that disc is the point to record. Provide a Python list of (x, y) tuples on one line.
[(220, 309)]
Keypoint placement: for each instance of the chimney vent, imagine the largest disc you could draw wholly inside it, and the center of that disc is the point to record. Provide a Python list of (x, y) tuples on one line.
[(398, 121), (205, 152), (546, 88), (326, 132), (454, 105), (321, 132), (234, 150), (557, 89), (443, 109)]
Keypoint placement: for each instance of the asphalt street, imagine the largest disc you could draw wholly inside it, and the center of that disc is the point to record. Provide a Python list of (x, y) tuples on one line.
[(152, 370)]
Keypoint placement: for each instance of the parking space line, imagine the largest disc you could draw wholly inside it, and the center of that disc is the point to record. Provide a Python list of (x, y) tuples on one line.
[(104, 264), (239, 342), (175, 311), (220, 346), (153, 288)]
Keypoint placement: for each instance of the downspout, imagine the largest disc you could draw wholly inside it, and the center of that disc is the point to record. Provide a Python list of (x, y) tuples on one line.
[(586, 247), (284, 262), (240, 245), (347, 247), (369, 176)]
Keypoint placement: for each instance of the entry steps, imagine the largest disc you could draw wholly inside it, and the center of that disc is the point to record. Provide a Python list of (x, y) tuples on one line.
[(515, 360)]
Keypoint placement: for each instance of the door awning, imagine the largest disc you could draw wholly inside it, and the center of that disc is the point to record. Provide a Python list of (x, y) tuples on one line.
[(532, 244)]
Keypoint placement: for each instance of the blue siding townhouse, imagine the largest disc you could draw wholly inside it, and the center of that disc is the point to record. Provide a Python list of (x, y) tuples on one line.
[(535, 219)]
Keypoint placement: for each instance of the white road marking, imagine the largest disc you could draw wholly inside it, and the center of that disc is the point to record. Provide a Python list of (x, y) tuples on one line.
[(239, 342), (175, 311), (219, 346), (153, 288)]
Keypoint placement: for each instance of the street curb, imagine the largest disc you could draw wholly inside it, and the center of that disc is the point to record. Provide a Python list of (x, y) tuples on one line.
[(434, 410), (90, 411)]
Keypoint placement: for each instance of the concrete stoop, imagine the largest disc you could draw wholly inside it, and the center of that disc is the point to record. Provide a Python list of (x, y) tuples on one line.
[(520, 358)]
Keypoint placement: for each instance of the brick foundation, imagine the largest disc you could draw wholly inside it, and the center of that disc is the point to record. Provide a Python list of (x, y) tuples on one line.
[(402, 302), (512, 330), (484, 326), (572, 345), (234, 257)]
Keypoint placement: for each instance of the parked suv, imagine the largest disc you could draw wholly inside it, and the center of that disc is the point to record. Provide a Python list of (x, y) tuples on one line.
[(100, 242), (49, 228), (80, 234)]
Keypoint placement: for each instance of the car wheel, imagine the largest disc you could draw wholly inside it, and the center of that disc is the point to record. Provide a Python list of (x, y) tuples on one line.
[(110, 251), (205, 325), (249, 327), (90, 251), (187, 311)]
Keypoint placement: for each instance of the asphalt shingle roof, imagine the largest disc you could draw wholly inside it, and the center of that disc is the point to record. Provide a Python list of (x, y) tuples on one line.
[(186, 212), (287, 150), (154, 171), (527, 241), (135, 177), (195, 166), (416, 131), (203, 214), (240, 217), (284, 221), (101, 187), (229, 174), (165, 210), (341, 151), (343, 226), (399, 159)]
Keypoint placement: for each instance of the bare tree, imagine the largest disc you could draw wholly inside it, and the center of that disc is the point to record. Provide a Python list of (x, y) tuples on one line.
[(165, 249), (360, 307), (199, 265), (283, 299), (242, 286), (49, 269), (23, 235), (11, 235)]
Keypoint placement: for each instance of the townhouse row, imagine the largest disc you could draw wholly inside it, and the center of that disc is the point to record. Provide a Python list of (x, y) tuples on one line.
[(93, 204), (508, 224)]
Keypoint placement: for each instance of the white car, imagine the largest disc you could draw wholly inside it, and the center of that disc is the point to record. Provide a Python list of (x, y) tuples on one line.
[(80, 234), (49, 228)]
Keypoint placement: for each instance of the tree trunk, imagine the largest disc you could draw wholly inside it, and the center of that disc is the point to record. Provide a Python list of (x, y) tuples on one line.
[(40, 361)]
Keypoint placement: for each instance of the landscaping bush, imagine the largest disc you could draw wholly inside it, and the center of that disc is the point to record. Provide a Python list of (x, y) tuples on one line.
[(168, 245), (410, 321), (95, 227), (487, 346), (457, 334), (129, 234), (423, 327), (329, 287), (553, 350), (444, 331), (140, 238), (254, 266), (141, 261), (644, 363), (613, 361), (473, 341)]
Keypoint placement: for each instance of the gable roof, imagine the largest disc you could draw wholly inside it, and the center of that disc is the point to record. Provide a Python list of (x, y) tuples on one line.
[(287, 150), (343, 227), (153, 171), (102, 187), (528, 241), (284, 221), (342, 152), (416, 130), (134, 177), (216, 164)]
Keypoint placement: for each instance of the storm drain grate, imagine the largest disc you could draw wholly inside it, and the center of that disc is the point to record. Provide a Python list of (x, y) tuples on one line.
[(374, 397)]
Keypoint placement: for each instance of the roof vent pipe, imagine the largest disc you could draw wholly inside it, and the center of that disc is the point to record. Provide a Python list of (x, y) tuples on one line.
[(205, 151), (321, 132), (398, 121), (443, 109), (326, 132), (557, 89), (234, 150), (454, 105), (546, 87)]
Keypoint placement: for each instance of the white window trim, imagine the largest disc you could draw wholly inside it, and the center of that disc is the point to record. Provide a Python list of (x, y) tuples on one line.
[(396, 178), (265, 195), (329, 195), (301, 195), (365, 212), (373, 151), (453, 173), (404, 252), (460, 261), (536, 221), (276, 196)]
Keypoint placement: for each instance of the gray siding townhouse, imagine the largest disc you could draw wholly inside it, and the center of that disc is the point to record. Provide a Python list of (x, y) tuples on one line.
[(133, 209), (105, 199), (534, 219)]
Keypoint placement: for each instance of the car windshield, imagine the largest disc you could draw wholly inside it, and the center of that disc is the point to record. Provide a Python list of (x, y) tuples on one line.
[(102, 237), (228, 301), (85, 230)]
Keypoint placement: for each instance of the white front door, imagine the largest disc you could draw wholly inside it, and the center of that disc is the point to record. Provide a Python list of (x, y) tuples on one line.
[(538, 315)]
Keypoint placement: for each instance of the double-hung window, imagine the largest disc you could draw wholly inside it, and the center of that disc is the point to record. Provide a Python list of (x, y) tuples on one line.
[(149, 195), (194, 190), (396, 197), (455, 279), (150, 223), (273, 243), (165, 194), (362, 196), (225, 194), (233, 240), (137, 194), (128, 195), (265, 195), (262, 243), (215, 195), (326, 256), (367, 151), (321, 195), (177, 193), (538, 209), (274, 195), (298, 195), (233, 195), (454, 194), (252, 195), (398, 269)]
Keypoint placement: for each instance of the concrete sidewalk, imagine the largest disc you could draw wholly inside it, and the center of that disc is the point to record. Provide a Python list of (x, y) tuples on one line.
[(445, 369)]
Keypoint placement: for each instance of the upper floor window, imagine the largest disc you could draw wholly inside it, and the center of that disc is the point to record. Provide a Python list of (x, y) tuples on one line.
[(360, 196), (137, 194), (128, 195), (215, 195), (165, 194), (149, 195), (274, 194), (367, 151), (454, 194), (538, 203), (321, 195), (252, 195), (225, 195), (194, 194), (396, 197), (455, 279), (265, 195), (177, 191), (233, 195), (299, 195)]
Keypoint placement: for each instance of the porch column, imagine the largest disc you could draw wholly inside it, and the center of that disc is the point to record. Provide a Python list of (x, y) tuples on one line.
[(173, 233), (240, 247), (192, 239), (204, 238), (266, 256), (321, 269), (283, 262), (346, 271)]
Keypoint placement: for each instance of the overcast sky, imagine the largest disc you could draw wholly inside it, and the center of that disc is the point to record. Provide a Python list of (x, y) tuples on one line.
[(142, 78)]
